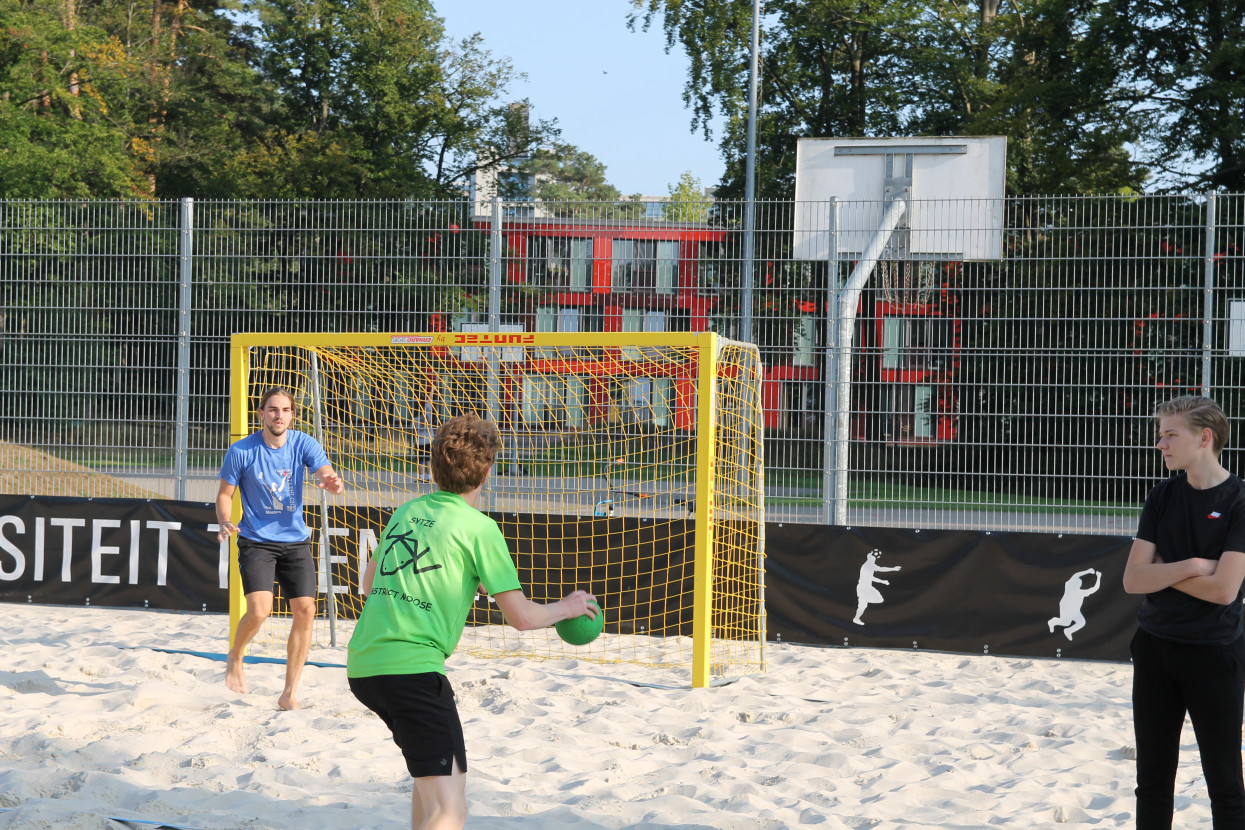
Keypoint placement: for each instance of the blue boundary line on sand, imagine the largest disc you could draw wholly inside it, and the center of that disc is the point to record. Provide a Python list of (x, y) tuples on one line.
[(221, 656), (145, 824), (133, 823)]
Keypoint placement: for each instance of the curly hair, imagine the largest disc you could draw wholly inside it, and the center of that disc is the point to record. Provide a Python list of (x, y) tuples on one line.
[(1199, 413), (463, 450)]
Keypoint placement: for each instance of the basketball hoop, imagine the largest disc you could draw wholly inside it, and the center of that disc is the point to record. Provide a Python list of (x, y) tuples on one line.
[(905, 282)]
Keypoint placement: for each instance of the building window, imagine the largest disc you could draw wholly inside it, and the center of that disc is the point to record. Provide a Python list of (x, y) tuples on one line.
[(554, 262), (632, 319), (643, 403), (709, 260), (916, 343), (805, 405), (640, 320), (646, 265), (805, 342), (910, 414), (555, 402), (546, 318)]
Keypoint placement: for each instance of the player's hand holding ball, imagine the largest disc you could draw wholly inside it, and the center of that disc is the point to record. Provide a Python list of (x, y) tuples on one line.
[(586, 620)]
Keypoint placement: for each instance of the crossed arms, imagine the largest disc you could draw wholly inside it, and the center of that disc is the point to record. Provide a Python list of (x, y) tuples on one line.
[(1207, 579)]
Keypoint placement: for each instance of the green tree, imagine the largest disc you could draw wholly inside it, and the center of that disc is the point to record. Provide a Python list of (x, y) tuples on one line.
[(572, 181), (57, 131), (827, 68), (293, 99), (1185, 64), (96, 100), (836, 68), (377, 103), (1034, 71), (688, 202)]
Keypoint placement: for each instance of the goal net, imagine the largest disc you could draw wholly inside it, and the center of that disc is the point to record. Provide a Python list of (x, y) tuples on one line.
[(631, 467)]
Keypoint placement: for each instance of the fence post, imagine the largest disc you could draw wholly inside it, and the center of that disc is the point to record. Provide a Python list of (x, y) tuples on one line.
[(181, 439), (829, 463), (1208, 295), (495, 267), (492, 352)]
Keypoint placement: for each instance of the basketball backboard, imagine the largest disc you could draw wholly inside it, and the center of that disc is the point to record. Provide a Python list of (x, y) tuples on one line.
[(954, 188)]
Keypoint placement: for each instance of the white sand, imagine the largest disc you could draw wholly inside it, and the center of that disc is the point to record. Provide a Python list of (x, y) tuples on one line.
[(98, 724)]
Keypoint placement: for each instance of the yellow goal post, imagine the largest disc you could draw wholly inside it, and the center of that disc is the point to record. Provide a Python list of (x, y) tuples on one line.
[(632, 467)]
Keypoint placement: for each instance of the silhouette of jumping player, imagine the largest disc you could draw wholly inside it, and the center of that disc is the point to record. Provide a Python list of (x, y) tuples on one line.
[(865, 592), (1074, 594)]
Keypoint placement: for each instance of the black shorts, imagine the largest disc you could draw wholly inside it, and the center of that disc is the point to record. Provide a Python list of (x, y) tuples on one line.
[(260, 564), (420, 712)]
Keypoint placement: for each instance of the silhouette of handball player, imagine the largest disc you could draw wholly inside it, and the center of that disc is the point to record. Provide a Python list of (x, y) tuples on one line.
[(1074, 594), (865, 592)]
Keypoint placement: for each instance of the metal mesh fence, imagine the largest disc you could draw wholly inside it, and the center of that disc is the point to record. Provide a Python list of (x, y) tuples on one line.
[(1009, 393)]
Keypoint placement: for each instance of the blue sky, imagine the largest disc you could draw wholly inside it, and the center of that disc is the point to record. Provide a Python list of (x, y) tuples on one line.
[(615, 93)]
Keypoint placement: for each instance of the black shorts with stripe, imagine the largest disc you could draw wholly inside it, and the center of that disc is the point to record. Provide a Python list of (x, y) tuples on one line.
[(419, 710)]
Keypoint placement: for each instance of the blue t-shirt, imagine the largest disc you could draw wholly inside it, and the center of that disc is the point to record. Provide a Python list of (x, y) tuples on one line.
[(271, 484)]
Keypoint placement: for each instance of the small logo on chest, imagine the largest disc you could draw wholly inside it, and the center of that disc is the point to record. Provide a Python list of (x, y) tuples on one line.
[(1214, 514)]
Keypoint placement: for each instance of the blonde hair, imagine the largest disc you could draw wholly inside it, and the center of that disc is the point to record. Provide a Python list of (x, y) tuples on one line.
[(1199, 413)]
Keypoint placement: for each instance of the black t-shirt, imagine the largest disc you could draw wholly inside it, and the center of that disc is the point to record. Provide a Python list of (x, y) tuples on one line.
[(1184, 523)]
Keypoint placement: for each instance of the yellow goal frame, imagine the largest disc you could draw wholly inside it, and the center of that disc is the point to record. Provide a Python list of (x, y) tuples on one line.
[(707, 666)]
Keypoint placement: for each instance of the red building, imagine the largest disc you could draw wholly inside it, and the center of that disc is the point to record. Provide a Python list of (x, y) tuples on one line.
[(609, 276), (616, 276), (915, 351)]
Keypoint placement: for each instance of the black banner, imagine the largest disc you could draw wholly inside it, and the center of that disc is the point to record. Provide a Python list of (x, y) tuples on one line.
[(114, 552), (1026, 594), (643, 565)]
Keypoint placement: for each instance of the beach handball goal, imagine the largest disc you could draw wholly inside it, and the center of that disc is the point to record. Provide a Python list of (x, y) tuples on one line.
[(631, 467)]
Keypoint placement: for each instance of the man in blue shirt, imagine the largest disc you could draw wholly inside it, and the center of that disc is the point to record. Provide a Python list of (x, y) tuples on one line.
[(274, 543)]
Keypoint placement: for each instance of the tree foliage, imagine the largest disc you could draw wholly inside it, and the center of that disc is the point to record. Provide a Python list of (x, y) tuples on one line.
[(273, 98), (1184, 63), (572, 181), (688, 202), (95, 99), (1032, 70)]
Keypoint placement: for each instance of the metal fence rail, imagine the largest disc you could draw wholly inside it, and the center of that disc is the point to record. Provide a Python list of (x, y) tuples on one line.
[(1000, 394)]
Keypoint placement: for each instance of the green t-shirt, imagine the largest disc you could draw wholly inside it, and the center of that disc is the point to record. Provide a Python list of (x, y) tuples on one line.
[(434, 552)]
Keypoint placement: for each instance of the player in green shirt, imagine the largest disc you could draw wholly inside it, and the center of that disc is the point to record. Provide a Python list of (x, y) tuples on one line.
[(420, 585)]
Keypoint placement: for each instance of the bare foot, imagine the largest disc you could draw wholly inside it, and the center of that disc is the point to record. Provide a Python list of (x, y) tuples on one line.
[(287, 701), (234, 677)]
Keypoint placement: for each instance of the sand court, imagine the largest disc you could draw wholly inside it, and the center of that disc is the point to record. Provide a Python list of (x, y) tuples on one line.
[(103, 726)]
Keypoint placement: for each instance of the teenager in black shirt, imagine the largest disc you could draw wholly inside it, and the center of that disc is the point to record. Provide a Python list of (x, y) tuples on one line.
[(1188, 654)]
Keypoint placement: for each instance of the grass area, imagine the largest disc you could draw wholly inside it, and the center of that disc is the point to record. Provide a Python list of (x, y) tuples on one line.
[(879, 494), (593, 461), (624, 459), (110, 458)]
